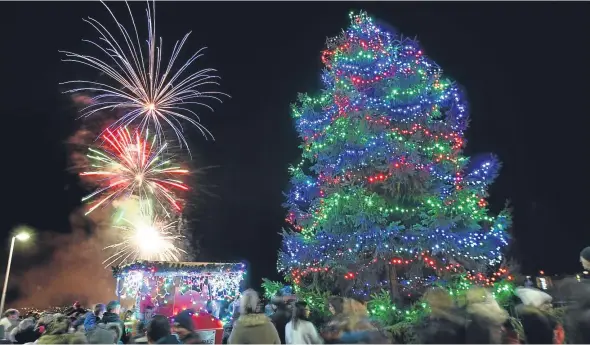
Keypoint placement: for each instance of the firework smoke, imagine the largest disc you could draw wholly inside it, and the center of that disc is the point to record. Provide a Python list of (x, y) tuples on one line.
[(74, 271)]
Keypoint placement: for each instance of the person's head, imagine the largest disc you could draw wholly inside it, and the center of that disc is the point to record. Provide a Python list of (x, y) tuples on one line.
[(585, 258), (11, 314), (26, 324), (537, 327), (114, 307), (158, 328), (440, 301), (300, 312), (248, 302), (353, 307), (99, 309), (335, 304), (59, 324), (77, 305), (183, 322), (534, 298)]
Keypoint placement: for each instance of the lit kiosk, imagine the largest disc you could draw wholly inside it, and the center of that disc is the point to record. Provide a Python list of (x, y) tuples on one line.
[(167, 288)]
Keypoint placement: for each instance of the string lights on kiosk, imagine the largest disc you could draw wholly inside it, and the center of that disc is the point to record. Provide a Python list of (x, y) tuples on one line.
[(162, 283)]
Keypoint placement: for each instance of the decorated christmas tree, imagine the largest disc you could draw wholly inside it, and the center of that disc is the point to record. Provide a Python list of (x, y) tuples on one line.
[(384, 198)]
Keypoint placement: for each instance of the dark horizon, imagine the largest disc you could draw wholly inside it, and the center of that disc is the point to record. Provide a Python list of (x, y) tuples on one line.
[(521, 66)]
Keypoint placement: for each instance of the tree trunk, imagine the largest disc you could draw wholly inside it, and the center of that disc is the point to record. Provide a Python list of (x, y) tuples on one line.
[(393, 284)]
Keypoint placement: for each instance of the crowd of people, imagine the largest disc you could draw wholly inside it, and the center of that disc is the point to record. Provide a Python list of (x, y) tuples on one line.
[(476, 319), (102, 325)]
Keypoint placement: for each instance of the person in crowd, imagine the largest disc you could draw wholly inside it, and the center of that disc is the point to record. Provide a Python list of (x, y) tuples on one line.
[(585, 258), (270, 309), (103, 334), (75, 310), (281, 317), (577, 316), (299, 330), (184, 327), (140, 334), (539, 327), (352, 325), (335, 305), (485, 317), (56, 332), (252, 328), (9, 322), (93, 318), (158, 331), (111, 316), (445, 324), (25, 332)]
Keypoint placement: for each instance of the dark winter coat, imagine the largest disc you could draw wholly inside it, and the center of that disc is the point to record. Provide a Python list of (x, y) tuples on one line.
[(443, 330), (280, 319), (169, 339), (26, 336), (191, 338), (109, 317)]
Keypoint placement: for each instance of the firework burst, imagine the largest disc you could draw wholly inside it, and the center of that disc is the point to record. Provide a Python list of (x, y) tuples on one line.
[(129, 164), (147, 93), (146, 238)]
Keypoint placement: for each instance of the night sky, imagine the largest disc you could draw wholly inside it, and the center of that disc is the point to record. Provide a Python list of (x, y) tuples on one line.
[(524, 67)]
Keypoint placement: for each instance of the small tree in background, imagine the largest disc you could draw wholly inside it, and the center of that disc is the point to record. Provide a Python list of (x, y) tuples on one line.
[(384, 198)]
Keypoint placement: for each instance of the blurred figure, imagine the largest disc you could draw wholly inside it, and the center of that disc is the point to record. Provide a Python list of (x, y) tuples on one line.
[(93, 318), (101, 334), (75, 310), (335, 305), (585, 258), (140, 334), (9, 322), (252, 328), (111, 317), (446, 323), (352, 325), (539, 327), (485, 317), (577, 317), (25, 332), (56, 332), (158, 331), (281, 317), (299, 330), (184, 327)]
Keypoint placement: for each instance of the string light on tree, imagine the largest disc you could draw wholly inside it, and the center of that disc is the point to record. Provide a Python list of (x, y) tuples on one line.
[(383, 185)]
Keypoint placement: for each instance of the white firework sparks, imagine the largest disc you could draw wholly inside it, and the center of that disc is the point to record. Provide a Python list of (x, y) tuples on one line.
[(146, 238), (140, 88)]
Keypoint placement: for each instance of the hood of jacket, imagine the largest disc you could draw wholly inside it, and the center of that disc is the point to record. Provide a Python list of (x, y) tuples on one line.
[(68, 338), (252, 320)]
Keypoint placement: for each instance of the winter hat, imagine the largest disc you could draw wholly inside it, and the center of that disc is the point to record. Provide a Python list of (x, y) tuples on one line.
[(533, 297), (184, 320), (248, 302)]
